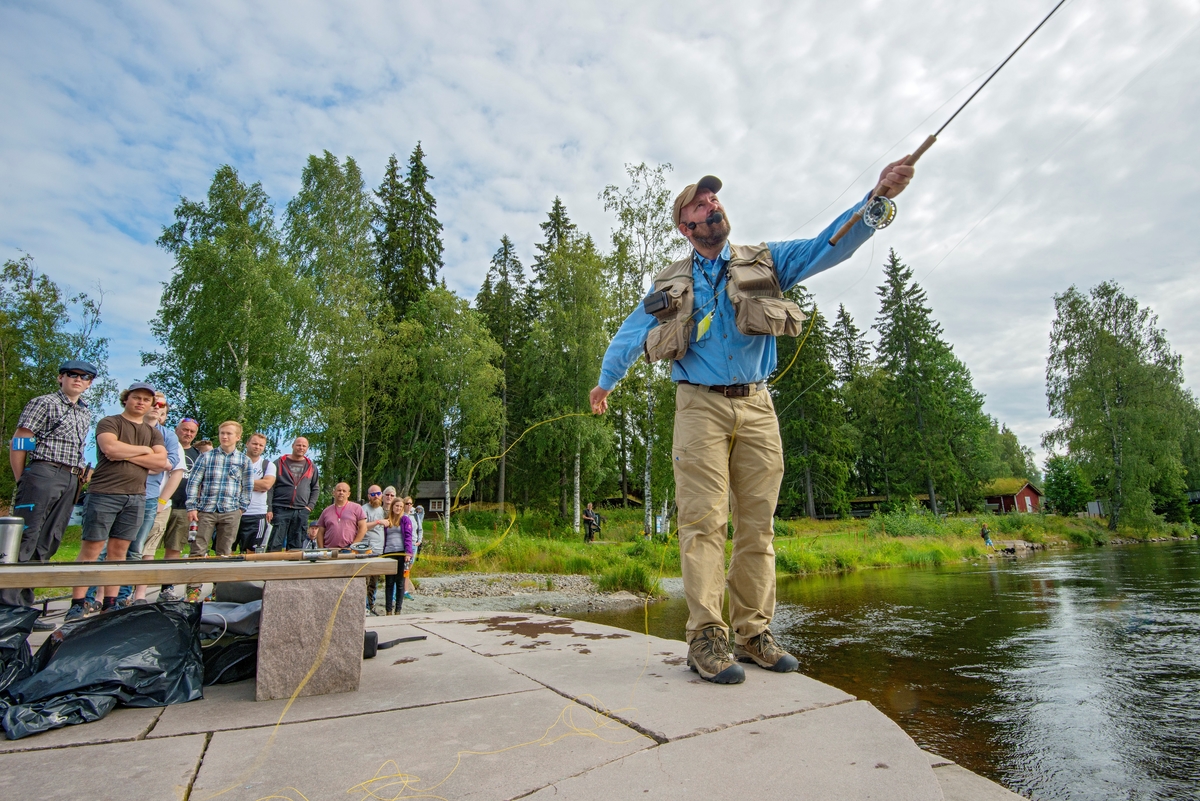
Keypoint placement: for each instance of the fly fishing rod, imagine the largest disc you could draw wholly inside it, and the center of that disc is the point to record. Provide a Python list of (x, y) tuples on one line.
[(879, 210)]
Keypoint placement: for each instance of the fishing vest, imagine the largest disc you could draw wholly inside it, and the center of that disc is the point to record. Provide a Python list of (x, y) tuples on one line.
[(759, 307)]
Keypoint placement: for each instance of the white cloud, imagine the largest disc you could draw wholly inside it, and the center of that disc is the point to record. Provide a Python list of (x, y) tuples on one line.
[(114, 111)]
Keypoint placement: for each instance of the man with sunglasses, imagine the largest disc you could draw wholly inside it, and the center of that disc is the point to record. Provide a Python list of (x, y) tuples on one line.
[(175, 538), (47, 461), (376, 524)]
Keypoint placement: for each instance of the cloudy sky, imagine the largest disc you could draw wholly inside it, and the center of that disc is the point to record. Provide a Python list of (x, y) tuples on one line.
[(1077, 164)]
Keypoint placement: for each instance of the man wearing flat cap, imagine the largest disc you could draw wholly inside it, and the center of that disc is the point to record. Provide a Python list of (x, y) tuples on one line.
[(715, 314), (46, 456)]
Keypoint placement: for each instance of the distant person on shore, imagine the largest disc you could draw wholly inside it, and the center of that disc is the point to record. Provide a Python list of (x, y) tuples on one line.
[(399, 544), (591, 524), (47, 461), (987, 537)]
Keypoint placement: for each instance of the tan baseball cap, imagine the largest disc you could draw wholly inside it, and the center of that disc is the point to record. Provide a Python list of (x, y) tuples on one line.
[(710, 182)]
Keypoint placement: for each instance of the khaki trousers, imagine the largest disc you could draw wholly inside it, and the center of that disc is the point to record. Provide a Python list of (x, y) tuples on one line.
[(728, 458)]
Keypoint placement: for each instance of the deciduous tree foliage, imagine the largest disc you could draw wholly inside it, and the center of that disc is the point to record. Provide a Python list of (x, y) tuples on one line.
[(1116, 387), (37, 334), (1067, 488), (228, 320)]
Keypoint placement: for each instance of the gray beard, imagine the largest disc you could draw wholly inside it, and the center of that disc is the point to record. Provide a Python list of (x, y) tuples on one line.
[(717, 234)]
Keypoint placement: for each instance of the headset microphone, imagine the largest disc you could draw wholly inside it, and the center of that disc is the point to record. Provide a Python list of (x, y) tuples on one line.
[(712, 219)]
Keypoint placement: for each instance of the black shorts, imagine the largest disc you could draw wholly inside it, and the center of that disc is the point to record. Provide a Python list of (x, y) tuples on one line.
[(115, 516)]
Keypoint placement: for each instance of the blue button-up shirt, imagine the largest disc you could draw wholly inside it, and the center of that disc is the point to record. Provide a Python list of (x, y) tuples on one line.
[(724, 355), (174, 458)]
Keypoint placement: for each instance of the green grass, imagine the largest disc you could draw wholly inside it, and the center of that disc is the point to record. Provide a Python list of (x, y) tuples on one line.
[(622, 559)]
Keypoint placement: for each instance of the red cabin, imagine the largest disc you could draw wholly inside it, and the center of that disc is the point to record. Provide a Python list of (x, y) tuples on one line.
[(1013, 495)]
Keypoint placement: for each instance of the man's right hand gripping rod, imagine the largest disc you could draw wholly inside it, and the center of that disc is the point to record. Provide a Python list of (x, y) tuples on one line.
[(879, 189)]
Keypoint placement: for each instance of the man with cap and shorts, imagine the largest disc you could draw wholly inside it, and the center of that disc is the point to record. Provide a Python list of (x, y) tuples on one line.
[(128, 450), (715, 315), (46, 457)]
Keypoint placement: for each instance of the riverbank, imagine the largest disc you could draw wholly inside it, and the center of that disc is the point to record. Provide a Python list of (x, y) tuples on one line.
[(622, 560)]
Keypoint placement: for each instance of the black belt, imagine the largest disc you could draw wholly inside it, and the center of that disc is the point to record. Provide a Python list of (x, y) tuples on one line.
[(732, 390), (76, 471)]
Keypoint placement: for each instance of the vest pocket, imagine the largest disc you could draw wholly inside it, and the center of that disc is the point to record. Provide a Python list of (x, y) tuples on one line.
[(669, 340), (763, 316)]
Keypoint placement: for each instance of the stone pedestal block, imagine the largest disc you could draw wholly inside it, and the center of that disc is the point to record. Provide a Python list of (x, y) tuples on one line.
[(295, 617)]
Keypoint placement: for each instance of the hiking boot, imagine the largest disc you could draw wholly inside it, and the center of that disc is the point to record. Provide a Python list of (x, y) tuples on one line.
[(41, 624), (763, 651), (708, 655)]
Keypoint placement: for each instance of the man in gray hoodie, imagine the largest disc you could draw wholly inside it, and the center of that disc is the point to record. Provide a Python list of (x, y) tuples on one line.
[(291, 499)]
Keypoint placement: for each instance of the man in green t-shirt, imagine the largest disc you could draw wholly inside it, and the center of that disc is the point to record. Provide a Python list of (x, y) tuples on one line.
[(127, 451)]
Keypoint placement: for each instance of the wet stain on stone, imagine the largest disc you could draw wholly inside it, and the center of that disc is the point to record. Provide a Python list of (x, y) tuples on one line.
[(585, 650), (510, 642), (882, 765), (404, 660), (533, 629), (438, 653), (535, 644), (675, 660)]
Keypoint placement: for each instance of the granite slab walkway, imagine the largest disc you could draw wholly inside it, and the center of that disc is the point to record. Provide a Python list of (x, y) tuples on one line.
[(500, 706)]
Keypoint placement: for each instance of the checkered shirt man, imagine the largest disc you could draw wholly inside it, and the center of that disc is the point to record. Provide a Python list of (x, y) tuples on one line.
[(220, 482), (61, 428)]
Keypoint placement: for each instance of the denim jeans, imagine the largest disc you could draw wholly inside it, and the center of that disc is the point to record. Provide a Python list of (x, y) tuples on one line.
[(134, 554)]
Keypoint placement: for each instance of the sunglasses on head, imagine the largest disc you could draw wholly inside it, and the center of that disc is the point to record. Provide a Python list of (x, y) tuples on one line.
[(188, 420), (74, 374)]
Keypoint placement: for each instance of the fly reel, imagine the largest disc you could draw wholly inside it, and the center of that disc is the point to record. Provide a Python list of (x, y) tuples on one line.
[(879, 212)]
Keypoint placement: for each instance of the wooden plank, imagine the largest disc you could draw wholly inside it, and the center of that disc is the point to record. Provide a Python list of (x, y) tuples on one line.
[(73, 574)]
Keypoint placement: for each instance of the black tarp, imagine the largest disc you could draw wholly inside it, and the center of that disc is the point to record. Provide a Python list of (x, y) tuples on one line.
[(141, 656)]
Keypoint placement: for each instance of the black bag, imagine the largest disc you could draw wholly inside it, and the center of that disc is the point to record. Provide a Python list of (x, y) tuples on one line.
[(16, 660), (140, 656)]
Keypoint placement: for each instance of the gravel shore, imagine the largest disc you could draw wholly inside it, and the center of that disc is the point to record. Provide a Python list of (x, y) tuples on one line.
[(504, 592)]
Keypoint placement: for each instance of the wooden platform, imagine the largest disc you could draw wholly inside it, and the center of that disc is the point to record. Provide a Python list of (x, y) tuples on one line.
[(198, 571)]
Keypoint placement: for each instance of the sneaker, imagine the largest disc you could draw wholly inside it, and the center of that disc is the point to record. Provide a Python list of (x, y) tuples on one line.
[(76, 612), (408, 596), (708, 655), (41, 624), (193, 595), (371, 612), (763, 651), (139, 602), (167, 593)]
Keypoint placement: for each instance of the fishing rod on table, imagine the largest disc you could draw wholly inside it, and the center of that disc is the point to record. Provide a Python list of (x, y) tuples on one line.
[(879, 210)]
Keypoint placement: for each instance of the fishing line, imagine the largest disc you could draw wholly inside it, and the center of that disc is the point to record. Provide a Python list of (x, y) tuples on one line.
[(1153, 63), (871, 208)]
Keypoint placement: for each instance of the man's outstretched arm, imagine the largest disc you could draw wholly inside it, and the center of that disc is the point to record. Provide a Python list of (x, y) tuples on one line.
[(622, 352)]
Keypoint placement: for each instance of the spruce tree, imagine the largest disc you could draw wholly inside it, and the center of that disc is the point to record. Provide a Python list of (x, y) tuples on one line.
[(501, 301), (817, 447), (408, 236), (848, 346)]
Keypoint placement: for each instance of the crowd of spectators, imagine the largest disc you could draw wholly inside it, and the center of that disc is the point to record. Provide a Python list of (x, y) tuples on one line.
[(157, 485)]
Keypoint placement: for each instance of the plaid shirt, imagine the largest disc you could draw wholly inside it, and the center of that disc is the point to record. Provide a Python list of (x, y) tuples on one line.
[(61, 428), (220, 482)]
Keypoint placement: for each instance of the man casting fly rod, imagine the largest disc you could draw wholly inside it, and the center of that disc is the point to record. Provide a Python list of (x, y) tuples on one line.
[(715, 314)]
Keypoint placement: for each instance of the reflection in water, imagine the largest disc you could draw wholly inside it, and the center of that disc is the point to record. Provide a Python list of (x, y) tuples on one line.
[(1064, 676)]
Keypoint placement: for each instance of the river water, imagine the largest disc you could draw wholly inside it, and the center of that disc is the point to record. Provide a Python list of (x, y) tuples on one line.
[(1063, 675)]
